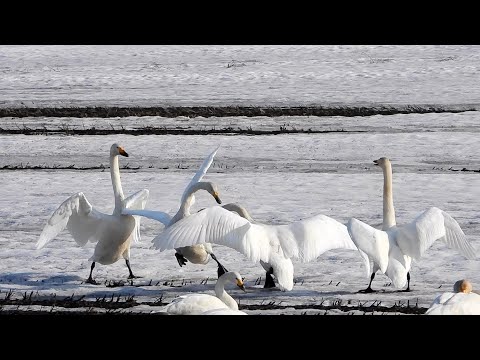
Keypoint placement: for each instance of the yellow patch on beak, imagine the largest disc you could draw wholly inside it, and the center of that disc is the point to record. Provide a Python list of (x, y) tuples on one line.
[(215, 195), (239, 283), (121, 151)]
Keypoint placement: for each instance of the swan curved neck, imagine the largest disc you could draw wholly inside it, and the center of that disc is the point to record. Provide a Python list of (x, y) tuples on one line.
[(116, 182), (388, 209), (222, 294), (189, 199), (239, 209)]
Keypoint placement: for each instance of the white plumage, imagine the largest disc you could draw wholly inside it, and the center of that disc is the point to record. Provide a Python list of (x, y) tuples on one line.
[(273, 245), (199, 253), (462, 301), (392, 249), (112, 232), (196, 304)]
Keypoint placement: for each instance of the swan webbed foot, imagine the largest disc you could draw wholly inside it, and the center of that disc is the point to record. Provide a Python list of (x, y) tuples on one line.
[(406, 290), (269, 283), (367, 290), (181, 259), (91, 281)]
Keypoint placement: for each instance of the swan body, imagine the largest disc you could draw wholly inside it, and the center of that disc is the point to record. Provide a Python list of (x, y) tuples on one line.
[(462, 301), (272, 245), (195, 304), (224, 312), (392, 249), (113, 233), (198, 253)]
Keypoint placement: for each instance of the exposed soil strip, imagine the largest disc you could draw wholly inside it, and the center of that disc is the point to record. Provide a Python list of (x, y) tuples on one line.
[(224, 111)]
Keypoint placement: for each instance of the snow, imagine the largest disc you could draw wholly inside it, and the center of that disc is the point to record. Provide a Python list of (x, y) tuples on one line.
[(278, 178)]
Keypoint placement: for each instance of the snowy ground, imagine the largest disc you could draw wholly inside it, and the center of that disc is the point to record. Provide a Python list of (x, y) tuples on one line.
[(278, 178)]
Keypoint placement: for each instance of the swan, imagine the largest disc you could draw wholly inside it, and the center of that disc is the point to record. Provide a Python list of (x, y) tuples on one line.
[(392, 249), (196, 254), (195, 304), (272, 245), (462, 301), (113, 233), (224, 312)]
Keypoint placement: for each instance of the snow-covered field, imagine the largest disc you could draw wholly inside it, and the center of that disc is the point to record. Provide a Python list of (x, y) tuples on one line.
[(278, 178)]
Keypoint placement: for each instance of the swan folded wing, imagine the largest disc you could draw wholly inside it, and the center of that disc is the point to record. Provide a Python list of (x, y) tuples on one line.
[(199, 175), (314, 236), (374, 243), (133, 202), (218, 226), (431, 225), (78, 216)]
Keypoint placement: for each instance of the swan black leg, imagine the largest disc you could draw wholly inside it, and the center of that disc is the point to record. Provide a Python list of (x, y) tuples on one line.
[(90, 280), (181, 259), (221, 269), (269, 283), (130, 275), (408, 283), (369, 288)]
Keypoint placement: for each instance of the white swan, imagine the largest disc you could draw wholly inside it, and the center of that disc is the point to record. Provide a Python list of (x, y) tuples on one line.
[(113, 233), (462, 301), (195, 304), (196, 254), (392, 249), (272, 245)]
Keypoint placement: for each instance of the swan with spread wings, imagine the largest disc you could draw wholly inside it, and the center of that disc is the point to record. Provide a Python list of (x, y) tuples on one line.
[(113, 233)]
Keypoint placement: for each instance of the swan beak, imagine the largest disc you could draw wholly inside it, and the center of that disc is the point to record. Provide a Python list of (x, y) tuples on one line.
[(241, 285), (375, 162), (122, 152), (215, 195)]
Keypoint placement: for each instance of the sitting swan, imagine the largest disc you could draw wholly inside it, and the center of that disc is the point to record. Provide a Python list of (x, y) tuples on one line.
[(196, 304), (196, 254), (113, 233), (272, 245), (462, 301), (391, 249)]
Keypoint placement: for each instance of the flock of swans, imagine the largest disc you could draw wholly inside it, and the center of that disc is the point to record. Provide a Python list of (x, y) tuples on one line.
[(389, 250)]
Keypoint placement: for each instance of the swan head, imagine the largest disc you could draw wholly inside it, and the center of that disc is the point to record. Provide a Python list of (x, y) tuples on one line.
[(213, 190), (235, 277), (117, 149), (382, 162), (463, 286)]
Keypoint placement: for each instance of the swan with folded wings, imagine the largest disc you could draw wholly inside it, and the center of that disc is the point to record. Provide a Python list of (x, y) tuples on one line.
[(113, 233)]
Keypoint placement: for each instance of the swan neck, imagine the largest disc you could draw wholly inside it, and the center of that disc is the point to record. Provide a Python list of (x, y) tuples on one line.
[(223, 295), (116, 182), (186, 205), (388, 209)]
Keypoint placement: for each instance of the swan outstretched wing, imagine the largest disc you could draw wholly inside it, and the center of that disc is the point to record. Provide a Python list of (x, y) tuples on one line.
[(133, 202), (309, 238), (199, 175), (160, 216), (431, 225), (78, 216), (372, 242), (218, 226)]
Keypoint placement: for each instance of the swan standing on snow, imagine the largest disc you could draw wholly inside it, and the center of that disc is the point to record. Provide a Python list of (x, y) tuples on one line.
[(272, 245), (196, 304), (392, 249), (462, 301), (113, 233), (196, 254)]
